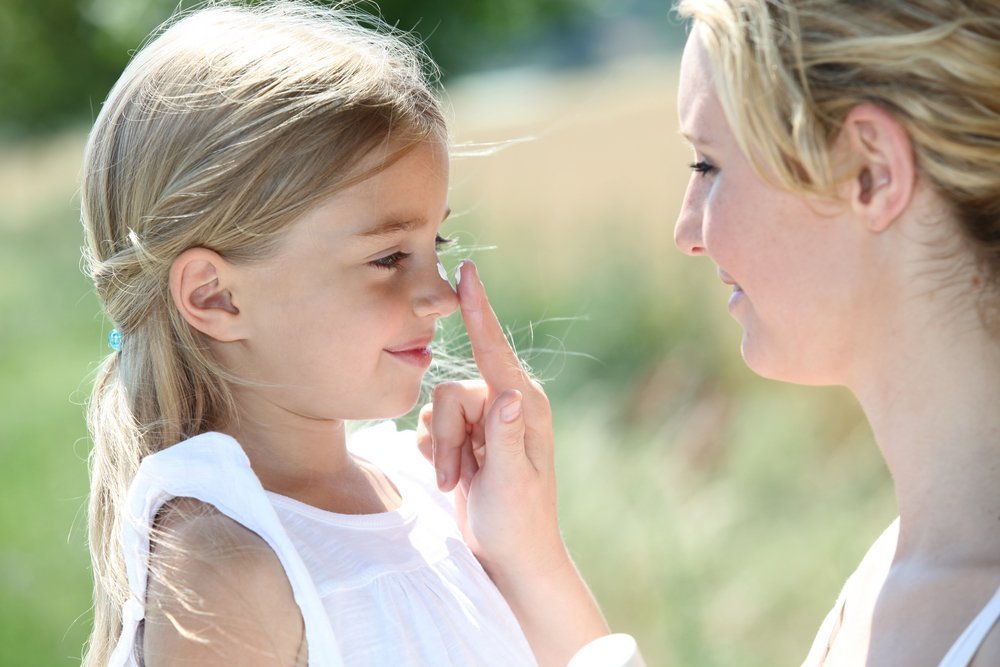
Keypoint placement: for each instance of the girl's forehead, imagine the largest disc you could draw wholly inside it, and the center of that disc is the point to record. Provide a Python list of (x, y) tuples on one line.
[(408, 193)]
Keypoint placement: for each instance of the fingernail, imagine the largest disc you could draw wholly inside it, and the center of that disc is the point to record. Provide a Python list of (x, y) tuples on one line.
[(442, 272), (442, 478), (511, 411), (458, 273)]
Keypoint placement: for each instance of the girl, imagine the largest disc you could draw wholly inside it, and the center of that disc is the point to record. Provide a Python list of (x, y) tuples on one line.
[(262, 195), (847, 185)]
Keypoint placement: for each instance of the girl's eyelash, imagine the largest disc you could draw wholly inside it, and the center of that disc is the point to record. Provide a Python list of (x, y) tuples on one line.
[(390, 262), (702, 167), (395, 260)]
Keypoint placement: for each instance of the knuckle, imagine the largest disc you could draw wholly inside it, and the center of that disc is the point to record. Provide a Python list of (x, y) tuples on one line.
[(444, 390), (477, 384)]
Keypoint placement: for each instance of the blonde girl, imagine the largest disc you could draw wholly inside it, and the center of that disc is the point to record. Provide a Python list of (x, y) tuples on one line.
[(846, 182), (262, 195)]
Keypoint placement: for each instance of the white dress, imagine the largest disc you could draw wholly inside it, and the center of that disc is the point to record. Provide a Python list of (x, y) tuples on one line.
[(397, 588), (614, 651), (961, 652)]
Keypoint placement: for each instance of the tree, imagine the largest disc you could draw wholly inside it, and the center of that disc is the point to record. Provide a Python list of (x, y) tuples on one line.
[(58, 58)]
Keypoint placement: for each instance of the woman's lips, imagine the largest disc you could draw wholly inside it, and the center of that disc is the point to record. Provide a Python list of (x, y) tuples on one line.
[(737, 290), (736, 296)]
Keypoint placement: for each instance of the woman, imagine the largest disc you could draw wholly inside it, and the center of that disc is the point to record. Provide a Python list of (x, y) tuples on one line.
[(847, 185)]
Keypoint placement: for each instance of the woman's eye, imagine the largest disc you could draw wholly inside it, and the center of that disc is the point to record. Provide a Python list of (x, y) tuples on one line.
[(441, 241), (702, 167), (392, 261)]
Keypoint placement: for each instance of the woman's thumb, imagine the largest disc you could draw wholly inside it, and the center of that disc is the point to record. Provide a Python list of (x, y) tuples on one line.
[(505, 427)]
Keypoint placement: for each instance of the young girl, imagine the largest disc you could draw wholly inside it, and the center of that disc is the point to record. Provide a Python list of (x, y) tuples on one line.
[(262, 195), (847, 186)]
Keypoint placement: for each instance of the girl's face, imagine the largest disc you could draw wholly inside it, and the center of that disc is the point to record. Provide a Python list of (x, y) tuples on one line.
[(798, 268), (341, 316)]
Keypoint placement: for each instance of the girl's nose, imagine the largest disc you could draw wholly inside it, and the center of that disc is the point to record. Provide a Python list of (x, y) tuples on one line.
[(435, 295)]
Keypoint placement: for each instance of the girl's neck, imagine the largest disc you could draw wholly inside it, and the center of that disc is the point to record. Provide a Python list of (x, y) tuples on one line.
[(932, 402), (283, 455), (307, 460)]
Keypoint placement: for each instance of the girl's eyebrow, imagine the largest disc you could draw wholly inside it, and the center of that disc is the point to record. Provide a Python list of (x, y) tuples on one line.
[(390, 227)]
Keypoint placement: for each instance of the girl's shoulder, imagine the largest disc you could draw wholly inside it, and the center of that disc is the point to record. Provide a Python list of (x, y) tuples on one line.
[(216, 588)]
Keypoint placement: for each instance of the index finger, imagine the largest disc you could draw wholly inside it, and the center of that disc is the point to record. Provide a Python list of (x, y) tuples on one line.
[(497, 362)]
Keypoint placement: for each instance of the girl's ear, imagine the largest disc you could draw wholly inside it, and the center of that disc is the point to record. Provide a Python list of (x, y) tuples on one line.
[(883, 176), (201, 285)]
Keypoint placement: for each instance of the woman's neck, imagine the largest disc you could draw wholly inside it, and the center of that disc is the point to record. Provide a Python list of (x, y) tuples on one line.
[(932, 400)]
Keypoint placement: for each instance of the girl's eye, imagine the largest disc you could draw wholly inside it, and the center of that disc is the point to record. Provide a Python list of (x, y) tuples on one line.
[(441, 241), (702, 167), (389, 262)]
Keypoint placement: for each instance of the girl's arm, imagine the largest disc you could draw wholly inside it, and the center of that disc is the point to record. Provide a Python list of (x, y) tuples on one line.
[(217, 595), (494, 441)]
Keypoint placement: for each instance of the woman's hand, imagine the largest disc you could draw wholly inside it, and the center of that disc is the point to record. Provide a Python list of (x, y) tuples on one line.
[(493, 440)]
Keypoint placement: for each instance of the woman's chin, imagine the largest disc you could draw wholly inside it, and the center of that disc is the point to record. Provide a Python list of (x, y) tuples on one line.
[(784, 369)]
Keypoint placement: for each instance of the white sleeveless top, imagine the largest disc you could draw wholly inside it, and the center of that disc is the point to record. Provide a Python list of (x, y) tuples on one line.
[(961, 652), (397, 588)]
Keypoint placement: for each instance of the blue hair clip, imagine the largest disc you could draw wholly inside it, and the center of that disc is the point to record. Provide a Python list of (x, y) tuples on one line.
[(115, 340)]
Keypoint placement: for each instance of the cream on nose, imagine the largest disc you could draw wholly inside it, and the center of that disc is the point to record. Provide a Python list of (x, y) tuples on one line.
[(437, 297)]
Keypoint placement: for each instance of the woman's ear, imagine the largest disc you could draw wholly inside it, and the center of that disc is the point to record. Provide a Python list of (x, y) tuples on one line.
[(883, 178), (202, 290)]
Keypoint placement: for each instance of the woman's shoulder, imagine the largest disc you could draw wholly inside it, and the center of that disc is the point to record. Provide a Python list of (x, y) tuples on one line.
[(216, 589)]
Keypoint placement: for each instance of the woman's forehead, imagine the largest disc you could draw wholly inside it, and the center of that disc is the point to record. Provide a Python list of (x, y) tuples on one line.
[(698, 105)]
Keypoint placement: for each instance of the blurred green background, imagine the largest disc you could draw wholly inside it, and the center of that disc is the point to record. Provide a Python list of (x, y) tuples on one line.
[(714, 513)]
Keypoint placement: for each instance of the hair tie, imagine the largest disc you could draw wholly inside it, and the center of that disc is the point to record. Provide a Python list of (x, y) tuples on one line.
[(115, 340)]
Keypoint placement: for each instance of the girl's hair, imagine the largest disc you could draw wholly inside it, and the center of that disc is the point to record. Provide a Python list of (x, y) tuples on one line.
[(221, 132), (788, 71)]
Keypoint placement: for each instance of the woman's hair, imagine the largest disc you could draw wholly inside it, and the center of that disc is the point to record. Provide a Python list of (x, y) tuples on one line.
[(221, 132), (788, 71)]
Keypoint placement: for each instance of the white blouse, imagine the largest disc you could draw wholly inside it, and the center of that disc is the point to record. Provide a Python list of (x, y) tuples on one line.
[(396, 588)]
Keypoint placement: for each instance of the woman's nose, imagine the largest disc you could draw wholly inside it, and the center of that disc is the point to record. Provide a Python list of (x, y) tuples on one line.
[(688, 229)]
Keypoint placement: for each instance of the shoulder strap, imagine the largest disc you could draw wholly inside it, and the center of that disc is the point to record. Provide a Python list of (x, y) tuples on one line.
[(213, 469), (965, 647)]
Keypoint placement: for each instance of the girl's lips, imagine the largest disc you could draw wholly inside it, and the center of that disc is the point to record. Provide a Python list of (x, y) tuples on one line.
[(417, 352), (420, 357)]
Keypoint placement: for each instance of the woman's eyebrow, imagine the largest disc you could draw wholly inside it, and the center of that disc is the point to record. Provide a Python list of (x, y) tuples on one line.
[(694, 139)]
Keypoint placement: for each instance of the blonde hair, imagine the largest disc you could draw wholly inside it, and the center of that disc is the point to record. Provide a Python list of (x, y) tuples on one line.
[(788, 71), (220, 133)]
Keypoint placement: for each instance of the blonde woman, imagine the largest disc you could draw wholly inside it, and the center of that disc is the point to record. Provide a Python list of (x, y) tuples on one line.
[(847, 185), (263, 193)]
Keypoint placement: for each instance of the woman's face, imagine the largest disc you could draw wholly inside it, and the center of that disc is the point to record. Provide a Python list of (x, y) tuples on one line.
[(799, 269)]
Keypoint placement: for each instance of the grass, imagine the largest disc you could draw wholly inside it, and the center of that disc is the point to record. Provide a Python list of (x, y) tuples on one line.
[(715, 514)]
